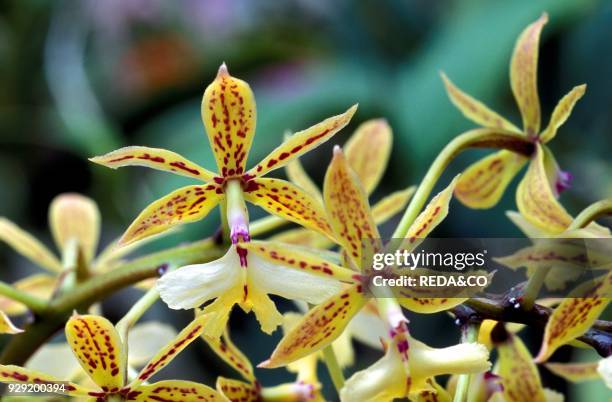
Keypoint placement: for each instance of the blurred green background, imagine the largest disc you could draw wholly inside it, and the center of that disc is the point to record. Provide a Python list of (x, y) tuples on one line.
[(81, 78)]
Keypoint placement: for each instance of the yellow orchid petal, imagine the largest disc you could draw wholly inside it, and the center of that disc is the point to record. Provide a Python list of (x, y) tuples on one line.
[(39, 285), (475, 110), (604, 368), (562, 112), (297, 175), (146, 339), (320, 327), (187, 204), (265, 310), (575, 372), (433, 214), (220, 310), (75, 217), (302, 142), (165, 355), (7, 326), (176, 391), (56, 358), (226, 350), (368, 151), (391, 204), (523, 75), (154, 158), (367, 327), (574, 316), (528, 229), (519, 375), (238, 391), (97, 346), (229, 115), (348, 209), (536, 201), (424, 305), (278, 253), (484, 333), (284, 199), (16, 374), (483, 183), (26, 245), (436, 394), (303, 237)]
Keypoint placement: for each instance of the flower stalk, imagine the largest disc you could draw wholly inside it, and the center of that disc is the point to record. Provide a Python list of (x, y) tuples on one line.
[(469, 335), (333, 367), (34, 303)]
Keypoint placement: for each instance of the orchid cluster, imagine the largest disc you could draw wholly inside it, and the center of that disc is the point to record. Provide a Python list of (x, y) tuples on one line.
[(322, 264)]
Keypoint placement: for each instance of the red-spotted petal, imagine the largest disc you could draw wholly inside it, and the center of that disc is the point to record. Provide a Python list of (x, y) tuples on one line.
[(348, 209), (20, 375), (575, 315), (483, 183), (575, 372), (302, 142), (187, 204), (368, 151), (229, 115), (175, 391), (319, 328), (475, 110), (26, 245), (284, 199), (97, 346), (238, 391), (535, 198), (155, 158), (169, 352), (524, 74), (392, 204), (562, 112), (225, 349), (297, 175)]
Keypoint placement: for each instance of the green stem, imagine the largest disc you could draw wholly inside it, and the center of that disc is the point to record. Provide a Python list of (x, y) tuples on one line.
[(532, 289), (34, 303), (591, 213), (333, 367), (463, 382), (136, 312), (267, 224), (478, 138)]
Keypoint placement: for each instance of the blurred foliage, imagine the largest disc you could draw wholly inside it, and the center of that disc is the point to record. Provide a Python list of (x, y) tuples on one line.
[(79, 78)]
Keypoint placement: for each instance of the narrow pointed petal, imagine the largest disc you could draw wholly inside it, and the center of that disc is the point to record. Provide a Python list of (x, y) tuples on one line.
[(483, 183), (190, 286), (26, 245), (528, 229), (278, 253), (185, 205), (524, 75), (281, 198), (7, 326), (574, 316), (176, 391), (297, 175), (519, 375), (39, 285), (562, 112), (433, 214), (229, 352), (97, 346), (20, 375), (303, 237), (238, 391), (368, 151), (165, 355), (154, 158), (475, 110), (536, 201), (229, 115), (348, 209), (430, 305), (391, 205), (575, 372), (75, 217), (302, 142), (146, 340), (319, 328)]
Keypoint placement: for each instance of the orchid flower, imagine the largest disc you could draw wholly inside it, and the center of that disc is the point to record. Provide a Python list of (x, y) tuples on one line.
[(229, 116), (74, 221), (305, 388), (483, 183), (367, 151), (351, 219), (100, 352)]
